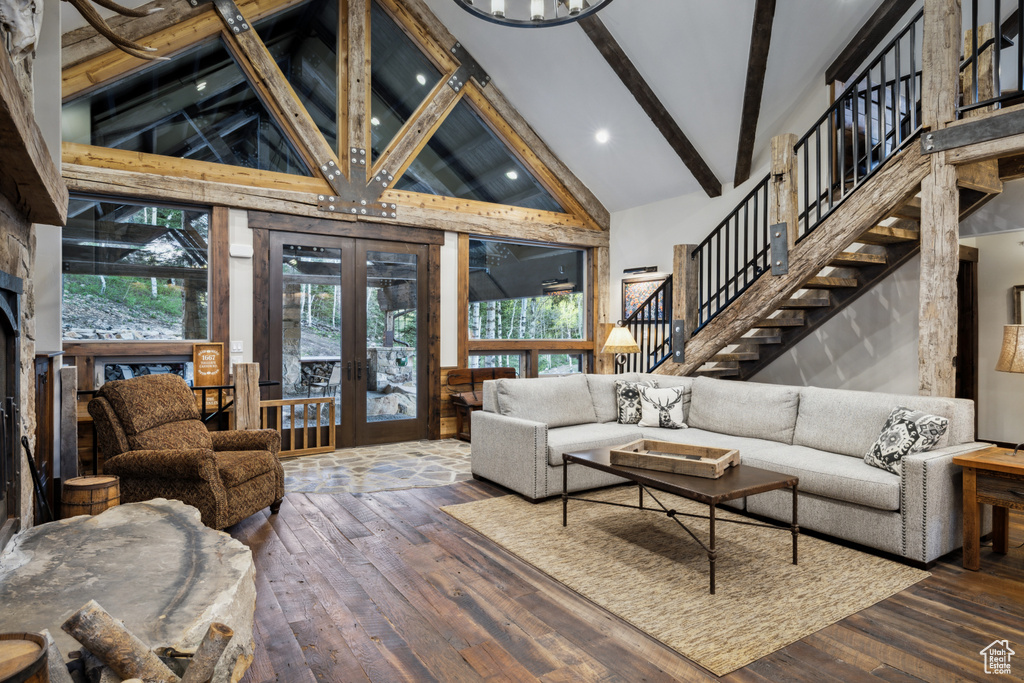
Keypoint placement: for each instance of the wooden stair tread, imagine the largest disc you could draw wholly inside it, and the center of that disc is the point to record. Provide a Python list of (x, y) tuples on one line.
[(887, 234), (821, 282), (764, 335), (735, 356), (820, 300), (857, 258), (718, 372), (780, 322)]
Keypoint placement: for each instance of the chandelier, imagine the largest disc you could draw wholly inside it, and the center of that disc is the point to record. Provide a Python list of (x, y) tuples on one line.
[(532, 13)]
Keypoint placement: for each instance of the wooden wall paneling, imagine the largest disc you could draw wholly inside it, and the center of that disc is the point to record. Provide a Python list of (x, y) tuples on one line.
[(462, 303), (447, 410), (45, 447), (417, 131), (94, 72), (527, 155), (261, 300), (325, 226), (757, 63), (434, 340), (219, 297), (28, 175), (358, 31), (430, 32), (92, 349)]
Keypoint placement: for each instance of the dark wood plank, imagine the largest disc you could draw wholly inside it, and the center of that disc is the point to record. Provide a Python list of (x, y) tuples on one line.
[(325, 226), (630, 76), (866, 40), (757, 63)]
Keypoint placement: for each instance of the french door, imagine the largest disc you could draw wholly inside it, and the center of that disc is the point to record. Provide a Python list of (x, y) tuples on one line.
[(348, 319)]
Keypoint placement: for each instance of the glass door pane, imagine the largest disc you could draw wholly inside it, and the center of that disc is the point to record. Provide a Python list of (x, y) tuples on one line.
[(311, 331), (392, 336)]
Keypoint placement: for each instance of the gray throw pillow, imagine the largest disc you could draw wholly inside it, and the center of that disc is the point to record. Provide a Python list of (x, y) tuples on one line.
[(905, 432), (661, 407), (627, 396)]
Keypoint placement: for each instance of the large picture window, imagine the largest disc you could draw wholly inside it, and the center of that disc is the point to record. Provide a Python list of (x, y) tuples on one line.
[(135, 272)]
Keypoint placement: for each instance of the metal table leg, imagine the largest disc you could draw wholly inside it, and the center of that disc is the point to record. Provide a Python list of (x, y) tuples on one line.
[(795, 527), (565, 491), (711, 547)]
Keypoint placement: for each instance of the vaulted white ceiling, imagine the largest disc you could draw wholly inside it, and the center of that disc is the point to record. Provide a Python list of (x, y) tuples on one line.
[(693, 54)]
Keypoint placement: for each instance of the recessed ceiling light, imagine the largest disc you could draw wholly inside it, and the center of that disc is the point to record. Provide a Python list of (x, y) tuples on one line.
[(421, 78), (375, 121), (512, 175), (602, 136)]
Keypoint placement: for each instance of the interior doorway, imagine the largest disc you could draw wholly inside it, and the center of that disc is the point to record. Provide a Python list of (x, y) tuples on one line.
[(348, 319)]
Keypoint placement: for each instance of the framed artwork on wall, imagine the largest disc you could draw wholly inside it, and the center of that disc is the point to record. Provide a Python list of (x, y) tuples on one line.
[(636, 290), (1018, 305)]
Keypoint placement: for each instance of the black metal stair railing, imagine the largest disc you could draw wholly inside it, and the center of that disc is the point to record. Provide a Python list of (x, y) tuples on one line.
[(1008, 26), (876, 116), (651, 326)]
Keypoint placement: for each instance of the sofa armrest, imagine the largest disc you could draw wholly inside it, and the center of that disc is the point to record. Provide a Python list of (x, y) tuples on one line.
[(247, 440), (191, 463), (510, 451), (931, 493)]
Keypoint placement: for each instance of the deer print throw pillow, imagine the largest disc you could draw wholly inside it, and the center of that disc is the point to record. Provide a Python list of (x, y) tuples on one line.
[(628, 398), (661, 407)]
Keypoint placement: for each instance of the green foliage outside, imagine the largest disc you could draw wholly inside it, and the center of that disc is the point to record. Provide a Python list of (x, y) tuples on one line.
[(557, 316)]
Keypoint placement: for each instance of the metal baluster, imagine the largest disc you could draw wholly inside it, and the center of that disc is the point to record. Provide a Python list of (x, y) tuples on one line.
[(974, 49), (897, 105), (765, 226), (869, 138), (856, 132), (998, 47), (817, 174), (718, 274), (913, 77), (746, 239), (805, 181), (883, 118)]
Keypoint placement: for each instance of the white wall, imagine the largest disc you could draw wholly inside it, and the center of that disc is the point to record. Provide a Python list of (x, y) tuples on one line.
[(449, 300), (240, 282)]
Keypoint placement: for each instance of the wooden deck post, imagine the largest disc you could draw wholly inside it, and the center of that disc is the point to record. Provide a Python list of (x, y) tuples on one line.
[(782, 190), (684, 287), (940, 205), (247, 395)]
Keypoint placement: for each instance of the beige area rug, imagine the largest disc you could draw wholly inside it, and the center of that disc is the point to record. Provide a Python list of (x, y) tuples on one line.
[(642, 567)]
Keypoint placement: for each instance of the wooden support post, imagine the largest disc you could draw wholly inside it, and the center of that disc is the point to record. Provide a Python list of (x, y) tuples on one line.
[(982, 176), (940, 62), (940, 253), (358, 91), (782, 190), (247, 395), (601, 272), (68, 423), (684, 286)]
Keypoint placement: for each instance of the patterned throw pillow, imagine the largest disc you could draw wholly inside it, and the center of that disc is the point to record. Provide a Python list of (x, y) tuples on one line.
[(905, 432), (627, 396), (661, 407)]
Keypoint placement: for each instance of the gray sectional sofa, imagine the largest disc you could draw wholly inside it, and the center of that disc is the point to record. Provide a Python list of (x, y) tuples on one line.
[(819, 435)]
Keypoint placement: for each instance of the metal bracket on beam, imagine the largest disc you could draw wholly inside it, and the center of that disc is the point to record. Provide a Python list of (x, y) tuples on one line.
[(381, 181), (334, 177), (779, 249), (357, 157), (361, 207), (973, 131), (228, 11), (679, 337), (468, 68)]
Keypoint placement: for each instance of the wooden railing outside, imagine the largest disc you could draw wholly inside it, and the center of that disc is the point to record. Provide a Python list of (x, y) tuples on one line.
[(305, 435)]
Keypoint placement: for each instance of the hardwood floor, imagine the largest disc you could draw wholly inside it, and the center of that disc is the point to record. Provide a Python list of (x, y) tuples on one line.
[(384, 587)]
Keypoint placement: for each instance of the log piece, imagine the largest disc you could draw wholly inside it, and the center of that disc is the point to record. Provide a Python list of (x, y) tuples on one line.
[(109, 640), (200, 669), (58, 670)]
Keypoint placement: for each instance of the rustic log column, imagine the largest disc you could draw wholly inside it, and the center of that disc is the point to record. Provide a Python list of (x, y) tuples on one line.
[(604, 363), (247, 396), (685, 271), (940, 205), (782, 190)]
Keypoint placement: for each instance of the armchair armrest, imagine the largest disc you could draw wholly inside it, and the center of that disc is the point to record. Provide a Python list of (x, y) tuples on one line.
[(186, 463), (510, 451), (247, 440), (931, 490)]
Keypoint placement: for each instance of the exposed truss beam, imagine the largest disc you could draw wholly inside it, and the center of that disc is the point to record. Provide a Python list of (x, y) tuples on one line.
[(649, 102), (757, 63), (867, 39)]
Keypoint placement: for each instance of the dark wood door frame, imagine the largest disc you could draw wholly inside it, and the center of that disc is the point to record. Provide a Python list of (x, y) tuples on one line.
[(967, 328)]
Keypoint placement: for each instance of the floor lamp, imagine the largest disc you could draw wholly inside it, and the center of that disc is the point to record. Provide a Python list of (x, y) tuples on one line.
[(1011, 357), (620, 342)]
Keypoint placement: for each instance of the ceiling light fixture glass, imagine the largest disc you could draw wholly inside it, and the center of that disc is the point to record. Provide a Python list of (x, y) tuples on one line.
[(532, 13)]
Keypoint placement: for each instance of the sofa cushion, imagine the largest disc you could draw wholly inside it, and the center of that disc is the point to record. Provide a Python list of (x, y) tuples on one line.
[(661, 407), (627, 396), (173, 435), (555, 401), (587, 436), (700, 437), (905, 432), (150, 401), (238, 467), (831, 475), (848, 422), (763, 411), (602, 393)]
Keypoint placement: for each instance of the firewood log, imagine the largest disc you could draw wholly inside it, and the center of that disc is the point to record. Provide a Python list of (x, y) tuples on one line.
[(200, 669), (109, 640)]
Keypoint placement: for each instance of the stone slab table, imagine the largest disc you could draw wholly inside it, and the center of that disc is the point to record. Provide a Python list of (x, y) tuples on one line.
[(153, 565)]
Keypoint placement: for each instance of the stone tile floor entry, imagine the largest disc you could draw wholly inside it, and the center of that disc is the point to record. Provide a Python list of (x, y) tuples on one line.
[(379, 468)]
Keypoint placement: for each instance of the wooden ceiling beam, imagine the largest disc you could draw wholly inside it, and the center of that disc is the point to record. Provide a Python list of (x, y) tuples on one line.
[(867, 39), (757, 64), (620, 63)]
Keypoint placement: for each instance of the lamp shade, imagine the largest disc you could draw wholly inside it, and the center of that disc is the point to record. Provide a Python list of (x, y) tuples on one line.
[(1011, 358), (620, 340)]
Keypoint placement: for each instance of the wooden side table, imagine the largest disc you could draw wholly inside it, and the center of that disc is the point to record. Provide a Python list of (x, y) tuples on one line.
[(992, 476)]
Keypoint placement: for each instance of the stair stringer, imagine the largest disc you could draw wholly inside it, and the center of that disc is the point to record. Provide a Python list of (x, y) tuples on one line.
[(876, 199)]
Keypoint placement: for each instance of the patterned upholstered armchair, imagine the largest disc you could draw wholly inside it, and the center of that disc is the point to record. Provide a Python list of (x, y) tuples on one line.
[(150, 434)]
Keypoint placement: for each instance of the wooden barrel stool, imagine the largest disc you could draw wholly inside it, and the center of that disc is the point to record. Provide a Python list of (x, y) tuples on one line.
[(23, 658), (89, 495)]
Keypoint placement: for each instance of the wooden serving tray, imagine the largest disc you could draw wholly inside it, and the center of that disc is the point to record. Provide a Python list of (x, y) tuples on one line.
[(678, 458)]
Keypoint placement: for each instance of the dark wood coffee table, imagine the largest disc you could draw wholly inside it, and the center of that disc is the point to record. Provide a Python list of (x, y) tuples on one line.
[(737, 482)]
